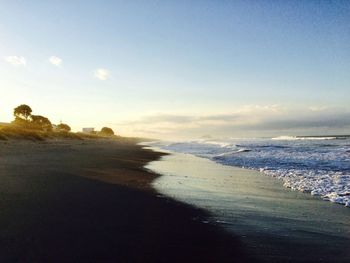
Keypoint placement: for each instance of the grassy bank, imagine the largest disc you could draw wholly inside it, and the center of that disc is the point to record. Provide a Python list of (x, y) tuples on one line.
[(14, 132)]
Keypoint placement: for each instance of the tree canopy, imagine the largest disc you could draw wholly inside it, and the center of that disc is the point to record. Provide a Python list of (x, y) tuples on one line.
[(23, 112), (107, 131), (63, 127), (41, 122)]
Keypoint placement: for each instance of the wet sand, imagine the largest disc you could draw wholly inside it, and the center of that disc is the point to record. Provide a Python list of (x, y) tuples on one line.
[(274, 223), (90, 200)]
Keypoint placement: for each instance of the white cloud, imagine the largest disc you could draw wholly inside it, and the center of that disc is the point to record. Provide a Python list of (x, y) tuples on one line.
[(102, 74), (56, 61), (16, 60)]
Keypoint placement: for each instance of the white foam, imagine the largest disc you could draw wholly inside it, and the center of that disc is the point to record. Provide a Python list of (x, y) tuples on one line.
[(331, 186)]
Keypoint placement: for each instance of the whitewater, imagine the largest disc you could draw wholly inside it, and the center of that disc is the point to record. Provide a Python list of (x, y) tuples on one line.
[(317, 165)]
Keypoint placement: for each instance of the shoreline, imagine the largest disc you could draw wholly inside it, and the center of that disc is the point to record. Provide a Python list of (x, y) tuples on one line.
[(275, 223), (318, 167), (89, 200)]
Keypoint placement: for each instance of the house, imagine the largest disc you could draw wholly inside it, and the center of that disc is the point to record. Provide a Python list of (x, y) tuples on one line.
[(88, 130)]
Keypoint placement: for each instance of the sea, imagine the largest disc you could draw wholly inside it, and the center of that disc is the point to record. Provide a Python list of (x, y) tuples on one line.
[(319, 165)]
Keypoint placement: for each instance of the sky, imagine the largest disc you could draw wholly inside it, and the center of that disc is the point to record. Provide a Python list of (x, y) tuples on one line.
[(179, 69)]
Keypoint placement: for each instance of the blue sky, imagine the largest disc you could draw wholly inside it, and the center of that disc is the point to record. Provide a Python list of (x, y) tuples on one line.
[(179, 68)]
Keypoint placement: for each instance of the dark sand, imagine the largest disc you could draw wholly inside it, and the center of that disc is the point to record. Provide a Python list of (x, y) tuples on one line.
[(90, 201)]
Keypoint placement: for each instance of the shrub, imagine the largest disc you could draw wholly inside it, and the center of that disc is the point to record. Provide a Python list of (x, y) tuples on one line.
[(107, 131), (41, 123), (63, 127)]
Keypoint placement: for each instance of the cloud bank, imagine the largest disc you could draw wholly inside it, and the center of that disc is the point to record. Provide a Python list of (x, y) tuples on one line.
[(16, 60), (248, 121)]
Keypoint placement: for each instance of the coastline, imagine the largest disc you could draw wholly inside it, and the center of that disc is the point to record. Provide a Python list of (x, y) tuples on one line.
[(274, 223), (90, 200)]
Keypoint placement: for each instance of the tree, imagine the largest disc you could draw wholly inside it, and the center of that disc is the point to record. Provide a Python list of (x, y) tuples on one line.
[(63, 127), (107, 131), (41, 123), (23, 112), (19, 122)]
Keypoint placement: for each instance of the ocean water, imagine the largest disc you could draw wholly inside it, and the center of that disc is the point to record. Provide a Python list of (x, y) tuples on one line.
[(316, 165)]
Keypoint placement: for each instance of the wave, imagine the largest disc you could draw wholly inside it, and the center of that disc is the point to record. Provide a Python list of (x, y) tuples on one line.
[(232, 152), (271, 146), (295, 138)]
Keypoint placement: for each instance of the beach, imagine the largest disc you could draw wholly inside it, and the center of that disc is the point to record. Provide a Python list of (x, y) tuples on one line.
[(91, 200), (117, 201)]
